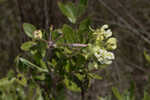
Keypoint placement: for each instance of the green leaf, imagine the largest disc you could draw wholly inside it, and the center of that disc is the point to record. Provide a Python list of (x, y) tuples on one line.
[(147, 56), (10, 74), (69, 10), (31, 65), (84, 25), (27, 45), (68, 33), (84, 2), (53, 63), (71, 85), (40, 77), (146, 96), (84, 30), (39, 94), (126, 95), (95, 76), (43, 64), (116, 93), (67, 51), (56, 33), (67, 67), (80, 76), (73, 11), (6, 81), (131, 90), (29, 29), (80, 10), (60, 92)]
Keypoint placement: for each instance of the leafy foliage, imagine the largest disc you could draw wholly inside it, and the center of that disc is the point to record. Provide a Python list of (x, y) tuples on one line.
[(73, 11), (64, 61)]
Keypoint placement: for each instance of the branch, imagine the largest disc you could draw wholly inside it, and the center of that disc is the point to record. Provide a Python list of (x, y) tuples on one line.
[(124, 21), (76, 45), (46, 15), (52, 44)]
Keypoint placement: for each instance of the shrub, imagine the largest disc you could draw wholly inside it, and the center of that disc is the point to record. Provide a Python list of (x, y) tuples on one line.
[(59, 59)]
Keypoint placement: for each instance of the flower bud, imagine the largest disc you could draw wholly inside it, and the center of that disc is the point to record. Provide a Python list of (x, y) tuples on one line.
[(111, 44), (37, 34)]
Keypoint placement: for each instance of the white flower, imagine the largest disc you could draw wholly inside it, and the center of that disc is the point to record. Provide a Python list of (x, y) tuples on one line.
[(111, 44), (103, 43), (104, 27), (105, 61), (107, 33), (95, 65), (102, 33), (110, 55), (104, 57), (96, 54)]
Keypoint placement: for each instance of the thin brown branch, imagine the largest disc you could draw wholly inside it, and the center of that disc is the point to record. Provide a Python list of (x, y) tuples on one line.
[(137, 22), (124, 21), (46, 15), (75, 45), (51, 44)]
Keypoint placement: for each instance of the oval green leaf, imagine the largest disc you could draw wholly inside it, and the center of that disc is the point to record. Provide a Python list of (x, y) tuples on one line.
[(29, 29), (27, 45)]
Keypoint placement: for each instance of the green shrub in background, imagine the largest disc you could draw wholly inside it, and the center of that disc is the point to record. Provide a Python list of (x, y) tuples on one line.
[(59, 59), (126, 95)]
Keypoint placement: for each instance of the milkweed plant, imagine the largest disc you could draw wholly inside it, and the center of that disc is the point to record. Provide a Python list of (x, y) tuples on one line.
[(59, 59)]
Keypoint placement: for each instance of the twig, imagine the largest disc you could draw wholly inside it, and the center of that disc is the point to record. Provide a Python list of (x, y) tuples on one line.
[(124, 21), (20, 10), (137, 22), (21, 19), (51, 44), (46, 14), (76, 45)]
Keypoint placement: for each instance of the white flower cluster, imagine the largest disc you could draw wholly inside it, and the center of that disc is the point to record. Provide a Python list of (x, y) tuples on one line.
[(104, 57), (103, 32), (103, 35)]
